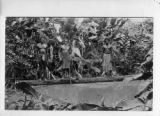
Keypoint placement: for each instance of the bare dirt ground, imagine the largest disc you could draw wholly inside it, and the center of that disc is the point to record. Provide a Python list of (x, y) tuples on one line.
[(112, 92), (92, 93)]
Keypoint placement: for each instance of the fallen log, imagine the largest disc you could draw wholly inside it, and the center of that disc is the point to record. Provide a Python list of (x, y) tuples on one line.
[(69, 81), (77, 81)]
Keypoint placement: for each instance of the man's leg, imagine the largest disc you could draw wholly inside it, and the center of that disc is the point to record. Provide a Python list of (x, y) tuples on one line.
[(67, 73), (63, 73), (103, 74)]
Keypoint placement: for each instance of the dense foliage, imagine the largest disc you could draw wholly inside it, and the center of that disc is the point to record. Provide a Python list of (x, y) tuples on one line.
[(130, 42), (131, 50)]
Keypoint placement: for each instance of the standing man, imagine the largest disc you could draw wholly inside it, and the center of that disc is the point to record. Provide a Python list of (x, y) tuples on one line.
[(106, 62), (66, 60), (42, 73)]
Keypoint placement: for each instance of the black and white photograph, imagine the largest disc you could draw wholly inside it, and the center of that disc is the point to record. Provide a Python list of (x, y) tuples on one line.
[(79, 63)]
